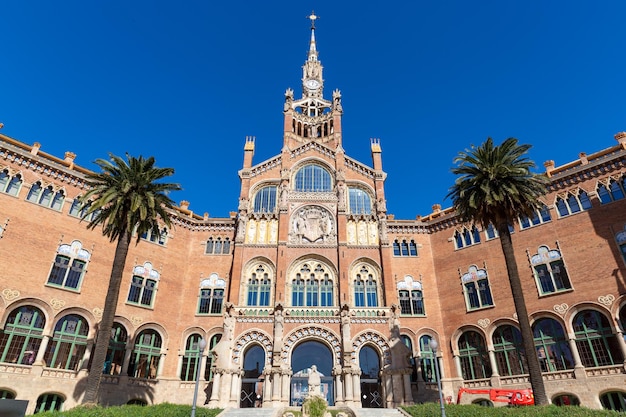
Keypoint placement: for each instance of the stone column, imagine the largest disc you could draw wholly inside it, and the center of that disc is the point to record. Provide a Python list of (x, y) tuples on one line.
[(408, 395), (268, 382), (349, 398), (127, 355), (572, 345), (235, 388), (42, 350), (215, 396), (339, 399), (276, 386), (356, 387), (225, 387), (286, 385), (160, 365), (493, 362), (457, 363), (439, 359)]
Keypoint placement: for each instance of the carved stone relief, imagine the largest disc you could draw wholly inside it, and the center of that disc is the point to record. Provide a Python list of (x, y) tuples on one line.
[(362, 232), (312, 225), (262, 232)]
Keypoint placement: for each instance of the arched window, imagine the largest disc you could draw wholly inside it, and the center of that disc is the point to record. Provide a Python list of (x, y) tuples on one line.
[(466, 237), (411, 297), (491, 232), (404, 248), (209, 246), (117, 349), (365, 288), (312, 287), (509, 352), (611, 191), (428, 360), (476, 288), (540, 216), (258, 287), (313, 178), (6, 394), (595, 341), (158, 236), (360, 201), (77, 209), (473, 356), (69, 266), (143, 285), (565, 399), (550, 272), (265, 200), (614, 400), (10, 184), (49, 402), (67, 347), (211, 296), (191, 358), (46, 197), (22, 334), (572, 203), (144, 361), (552, 346)]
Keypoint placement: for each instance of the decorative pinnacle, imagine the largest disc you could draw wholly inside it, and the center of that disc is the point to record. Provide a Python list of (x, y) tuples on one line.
[(313, 18)]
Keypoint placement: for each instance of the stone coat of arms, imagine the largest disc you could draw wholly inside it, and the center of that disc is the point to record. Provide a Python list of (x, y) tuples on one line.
[(312, 225)]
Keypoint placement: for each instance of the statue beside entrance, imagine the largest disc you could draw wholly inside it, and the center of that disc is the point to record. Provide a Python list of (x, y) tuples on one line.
[(315, 382)]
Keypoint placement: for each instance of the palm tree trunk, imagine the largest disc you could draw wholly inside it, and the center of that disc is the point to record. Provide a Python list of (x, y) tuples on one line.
[(528, 341), (103, 333)]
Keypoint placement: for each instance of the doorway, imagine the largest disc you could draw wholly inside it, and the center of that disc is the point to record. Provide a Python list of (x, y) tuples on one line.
[(371, 392), (304, 356)]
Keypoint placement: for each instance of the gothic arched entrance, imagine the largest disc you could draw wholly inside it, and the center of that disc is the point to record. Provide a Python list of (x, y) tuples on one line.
[(371, 390), (252, 382), (305, 355)]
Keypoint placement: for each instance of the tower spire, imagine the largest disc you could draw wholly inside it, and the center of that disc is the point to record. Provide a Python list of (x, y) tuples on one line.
[(312, 47)]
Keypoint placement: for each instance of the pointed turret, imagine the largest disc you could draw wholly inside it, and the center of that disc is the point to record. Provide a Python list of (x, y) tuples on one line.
[(312, 117)]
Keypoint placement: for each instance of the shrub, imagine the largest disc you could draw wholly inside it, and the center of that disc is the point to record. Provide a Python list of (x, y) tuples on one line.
[(314, 407), (434, 410), (161, 410)]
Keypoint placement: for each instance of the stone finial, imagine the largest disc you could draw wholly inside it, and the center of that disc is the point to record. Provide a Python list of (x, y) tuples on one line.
[(233, 214), (69, 159), (376, 145), (621, 138), (35, 149), (249, 146), (436, 208), (583, 158), (206, 216), (1, 125), (549, 165), (184, 205)]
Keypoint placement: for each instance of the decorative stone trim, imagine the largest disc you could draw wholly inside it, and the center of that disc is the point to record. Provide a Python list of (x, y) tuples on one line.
[(57, 304), (10, 294), (97, 312), (561, 308), (313, 332), (607, 300), (484, 323), (248, 338), (375, 338), (136, 320)]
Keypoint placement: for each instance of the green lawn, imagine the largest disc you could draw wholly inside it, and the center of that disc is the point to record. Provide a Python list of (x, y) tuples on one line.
[(434, 410), (161, 410)]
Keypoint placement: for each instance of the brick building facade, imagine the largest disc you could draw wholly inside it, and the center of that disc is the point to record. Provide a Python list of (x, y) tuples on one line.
[(311, 270)]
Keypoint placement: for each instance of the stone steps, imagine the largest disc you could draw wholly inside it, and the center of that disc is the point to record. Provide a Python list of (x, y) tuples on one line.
[(249, 412), (377, 412)]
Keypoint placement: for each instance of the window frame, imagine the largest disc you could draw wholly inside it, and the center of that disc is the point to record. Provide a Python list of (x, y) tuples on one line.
[(477, 289), (550, 272)]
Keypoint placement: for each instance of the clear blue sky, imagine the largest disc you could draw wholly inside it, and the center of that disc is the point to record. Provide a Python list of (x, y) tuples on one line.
[(186, 81)]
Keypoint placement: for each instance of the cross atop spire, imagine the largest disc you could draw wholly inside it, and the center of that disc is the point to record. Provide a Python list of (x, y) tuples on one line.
[(313, 18)]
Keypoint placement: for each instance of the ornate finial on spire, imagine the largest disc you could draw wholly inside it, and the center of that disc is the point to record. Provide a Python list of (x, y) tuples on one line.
[(313, 18)]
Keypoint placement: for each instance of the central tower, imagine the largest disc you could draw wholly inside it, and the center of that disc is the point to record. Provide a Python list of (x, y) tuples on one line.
[(312, 117)]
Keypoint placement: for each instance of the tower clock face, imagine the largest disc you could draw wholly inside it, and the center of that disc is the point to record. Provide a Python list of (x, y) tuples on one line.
[(312, 84)]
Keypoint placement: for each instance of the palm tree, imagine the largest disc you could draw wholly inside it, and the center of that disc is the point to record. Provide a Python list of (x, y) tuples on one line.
[(124, 198), (495, 185)]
